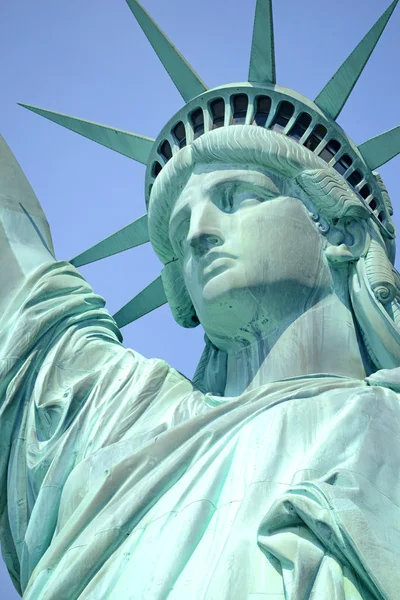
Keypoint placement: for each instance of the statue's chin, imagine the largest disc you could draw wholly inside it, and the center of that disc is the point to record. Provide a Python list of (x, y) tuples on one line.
[(226, 308)]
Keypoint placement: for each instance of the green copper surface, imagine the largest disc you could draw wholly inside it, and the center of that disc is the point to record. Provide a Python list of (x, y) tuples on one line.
[(132, 235), (131, 145), (184, 77), (262, 59), (335, 94), (379, 150), (152, 297), (280, 437), (274, 472)]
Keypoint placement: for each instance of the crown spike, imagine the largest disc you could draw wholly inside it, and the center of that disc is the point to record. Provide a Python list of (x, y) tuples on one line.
[(135, 234), (379, 150), (262, 58), (152, 297), (184, 77), (131, 145), (335, 94)]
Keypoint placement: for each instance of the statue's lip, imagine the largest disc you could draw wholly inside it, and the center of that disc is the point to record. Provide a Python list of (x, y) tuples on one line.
[(212, 256)]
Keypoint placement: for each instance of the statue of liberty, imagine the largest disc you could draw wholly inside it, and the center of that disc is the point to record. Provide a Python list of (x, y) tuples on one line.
[(274, 473)]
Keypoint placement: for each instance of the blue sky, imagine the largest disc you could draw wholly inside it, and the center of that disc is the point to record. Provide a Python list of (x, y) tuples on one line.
[(88, 58)]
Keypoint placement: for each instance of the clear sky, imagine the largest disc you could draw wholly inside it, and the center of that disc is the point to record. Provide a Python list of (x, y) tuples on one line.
[(88, 58)]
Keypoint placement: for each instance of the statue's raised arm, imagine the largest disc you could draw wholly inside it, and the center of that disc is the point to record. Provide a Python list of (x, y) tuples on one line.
[(68, 388), (275, 472), (25, 239)]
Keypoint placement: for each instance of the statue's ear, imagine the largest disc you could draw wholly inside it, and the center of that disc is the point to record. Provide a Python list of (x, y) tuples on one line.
[(348, 240)]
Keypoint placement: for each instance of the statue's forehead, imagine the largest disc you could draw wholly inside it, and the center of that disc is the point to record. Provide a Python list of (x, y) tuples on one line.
[(207, 177)]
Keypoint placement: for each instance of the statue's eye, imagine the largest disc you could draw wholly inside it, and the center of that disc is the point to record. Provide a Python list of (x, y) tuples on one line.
[(228, 200), (234, 197)]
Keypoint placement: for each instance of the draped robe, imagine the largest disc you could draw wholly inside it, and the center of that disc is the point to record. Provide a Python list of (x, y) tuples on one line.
[(120, 480)]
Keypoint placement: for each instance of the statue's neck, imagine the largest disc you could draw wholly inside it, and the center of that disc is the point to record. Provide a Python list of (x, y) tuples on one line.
[(322, 340)]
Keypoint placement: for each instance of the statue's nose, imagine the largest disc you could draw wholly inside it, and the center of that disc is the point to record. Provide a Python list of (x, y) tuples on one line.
[(200, 244), (205, 230)]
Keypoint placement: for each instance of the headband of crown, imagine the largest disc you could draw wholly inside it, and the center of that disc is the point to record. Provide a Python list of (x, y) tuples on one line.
[(258, 102)]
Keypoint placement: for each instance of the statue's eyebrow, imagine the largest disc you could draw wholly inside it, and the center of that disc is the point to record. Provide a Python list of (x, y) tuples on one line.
[(266, 185)]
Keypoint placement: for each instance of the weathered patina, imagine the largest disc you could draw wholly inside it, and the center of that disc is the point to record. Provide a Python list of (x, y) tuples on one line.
[(274, 472)]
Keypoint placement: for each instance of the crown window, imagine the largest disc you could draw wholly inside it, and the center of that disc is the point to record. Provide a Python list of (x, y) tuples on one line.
[(197, 119), (330, 150), (263, 108), (165, 150), (365, 191), (316, 137), (157, 168), (300, 127), (343, 164), (355, 178), (373, 204), (218, 112), (283, 116), (179, 132), (381, 216), (240, 104)]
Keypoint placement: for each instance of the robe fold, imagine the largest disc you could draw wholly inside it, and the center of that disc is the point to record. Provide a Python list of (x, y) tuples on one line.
[(120, 480)]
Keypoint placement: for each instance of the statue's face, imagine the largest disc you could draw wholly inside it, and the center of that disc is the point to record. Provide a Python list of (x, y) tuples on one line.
[(251, 255)]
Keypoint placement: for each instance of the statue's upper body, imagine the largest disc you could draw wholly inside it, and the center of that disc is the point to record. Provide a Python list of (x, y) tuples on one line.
[(120, 478), (274, 473)]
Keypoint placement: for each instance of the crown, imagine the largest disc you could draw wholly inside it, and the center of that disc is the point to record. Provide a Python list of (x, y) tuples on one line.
[(260, 102)]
